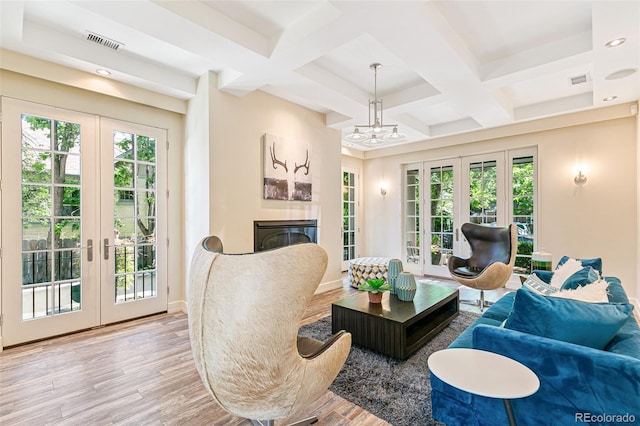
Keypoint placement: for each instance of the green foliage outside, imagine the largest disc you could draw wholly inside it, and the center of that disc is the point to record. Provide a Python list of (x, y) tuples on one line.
[(49, 191), (482, 191), (59, 193)]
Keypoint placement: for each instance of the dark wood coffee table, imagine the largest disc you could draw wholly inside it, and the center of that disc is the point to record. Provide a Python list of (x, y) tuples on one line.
[(393, 327)]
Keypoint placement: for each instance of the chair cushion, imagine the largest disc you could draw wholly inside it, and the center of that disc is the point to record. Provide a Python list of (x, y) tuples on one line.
[(468, 271), (587, 324)]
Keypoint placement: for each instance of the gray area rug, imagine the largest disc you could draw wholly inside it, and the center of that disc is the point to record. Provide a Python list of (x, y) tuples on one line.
[(396, 391)]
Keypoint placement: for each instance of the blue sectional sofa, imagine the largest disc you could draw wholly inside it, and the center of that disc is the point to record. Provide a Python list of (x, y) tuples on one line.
[(578, 384)]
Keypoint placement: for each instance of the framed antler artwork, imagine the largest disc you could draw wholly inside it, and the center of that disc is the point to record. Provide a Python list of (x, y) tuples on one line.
[(287, 169)]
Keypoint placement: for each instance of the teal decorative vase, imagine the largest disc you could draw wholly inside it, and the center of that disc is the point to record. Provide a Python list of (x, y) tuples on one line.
[(406, 286), (393, 270)]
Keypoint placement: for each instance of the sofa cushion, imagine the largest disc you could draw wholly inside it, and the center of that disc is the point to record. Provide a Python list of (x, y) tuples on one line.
[(500, 310), (464, 340), (627, 340), (582, 323), (616, 291)]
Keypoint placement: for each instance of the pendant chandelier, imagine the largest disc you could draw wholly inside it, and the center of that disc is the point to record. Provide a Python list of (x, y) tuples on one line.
[(376, 132)]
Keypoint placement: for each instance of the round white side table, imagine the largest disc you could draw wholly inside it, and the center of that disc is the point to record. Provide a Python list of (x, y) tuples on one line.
[(485, 374)]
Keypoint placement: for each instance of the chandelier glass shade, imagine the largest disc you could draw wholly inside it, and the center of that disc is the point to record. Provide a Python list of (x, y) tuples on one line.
[(376, 132)]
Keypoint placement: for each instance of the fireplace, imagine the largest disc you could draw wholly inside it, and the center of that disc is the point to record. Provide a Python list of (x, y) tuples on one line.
[(270, 234)]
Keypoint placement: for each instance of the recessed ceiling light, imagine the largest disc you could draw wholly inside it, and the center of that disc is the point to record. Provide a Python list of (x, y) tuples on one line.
[(103, 72), (616, 42), (610, 98), (621, 74)]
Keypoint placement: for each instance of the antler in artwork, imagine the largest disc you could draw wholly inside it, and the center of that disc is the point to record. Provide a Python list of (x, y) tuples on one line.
[(275, 161), (305, 165)]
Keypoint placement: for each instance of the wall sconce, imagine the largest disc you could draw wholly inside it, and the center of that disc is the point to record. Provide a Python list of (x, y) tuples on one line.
[(580, 179), (384, 187)]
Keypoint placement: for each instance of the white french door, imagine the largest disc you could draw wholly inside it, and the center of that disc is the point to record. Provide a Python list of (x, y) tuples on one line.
[(413, 259), (59, 214), (50, 273), (349, 216), (491, 189), (483, 193), (443, 214), (133, 226)]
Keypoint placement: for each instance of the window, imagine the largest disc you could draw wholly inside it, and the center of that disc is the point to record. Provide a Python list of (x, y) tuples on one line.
[(523, 203), (412, 215)]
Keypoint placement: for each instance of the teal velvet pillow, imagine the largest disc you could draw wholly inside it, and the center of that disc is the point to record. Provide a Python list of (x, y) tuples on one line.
[(582, 323), (595, 263), (585, 276)]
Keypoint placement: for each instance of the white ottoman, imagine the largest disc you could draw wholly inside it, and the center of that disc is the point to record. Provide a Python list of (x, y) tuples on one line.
[(367, 268)]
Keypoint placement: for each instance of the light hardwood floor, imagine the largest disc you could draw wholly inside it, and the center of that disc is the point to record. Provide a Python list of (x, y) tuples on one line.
[(135, 373)]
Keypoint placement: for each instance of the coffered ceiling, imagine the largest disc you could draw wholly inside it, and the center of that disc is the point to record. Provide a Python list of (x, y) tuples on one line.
[(448, 67)]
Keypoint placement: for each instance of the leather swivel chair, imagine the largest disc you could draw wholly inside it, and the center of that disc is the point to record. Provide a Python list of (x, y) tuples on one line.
[(244, 314), (493, 255)]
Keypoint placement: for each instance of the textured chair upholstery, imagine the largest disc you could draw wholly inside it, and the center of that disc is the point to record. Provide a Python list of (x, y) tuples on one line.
[(244, 315), (493, 255)]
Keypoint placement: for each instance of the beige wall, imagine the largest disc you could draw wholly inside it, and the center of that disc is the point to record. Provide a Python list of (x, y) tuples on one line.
[(598, 219), (237, 125), (36, 90)]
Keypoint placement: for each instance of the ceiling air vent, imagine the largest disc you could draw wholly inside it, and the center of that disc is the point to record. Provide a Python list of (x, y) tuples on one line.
[(103, 41), (579, 79)]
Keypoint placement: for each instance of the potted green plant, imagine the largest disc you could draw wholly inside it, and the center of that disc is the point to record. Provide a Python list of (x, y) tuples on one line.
[(436, 255), (375, 288)]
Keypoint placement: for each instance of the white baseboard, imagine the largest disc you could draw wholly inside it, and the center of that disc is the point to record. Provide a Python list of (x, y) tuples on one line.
[(177, 306), (330, 285)]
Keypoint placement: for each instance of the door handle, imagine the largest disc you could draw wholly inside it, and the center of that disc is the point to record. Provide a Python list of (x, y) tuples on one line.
[(89, 249), (457, 236), (106, 249)]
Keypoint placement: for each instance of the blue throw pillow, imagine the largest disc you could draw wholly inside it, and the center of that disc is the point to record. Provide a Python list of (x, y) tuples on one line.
[(585, 276), (595, 263), (573, 321)]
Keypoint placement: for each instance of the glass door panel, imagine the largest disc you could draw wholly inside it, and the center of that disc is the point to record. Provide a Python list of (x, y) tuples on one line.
[(54, 291), (134, 181), (523, 197), (412, 261), (132, 253), (443, 214), (483, 193), (349, 229)]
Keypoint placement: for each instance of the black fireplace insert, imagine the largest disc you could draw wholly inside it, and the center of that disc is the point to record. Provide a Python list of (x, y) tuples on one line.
[(270, 234)]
